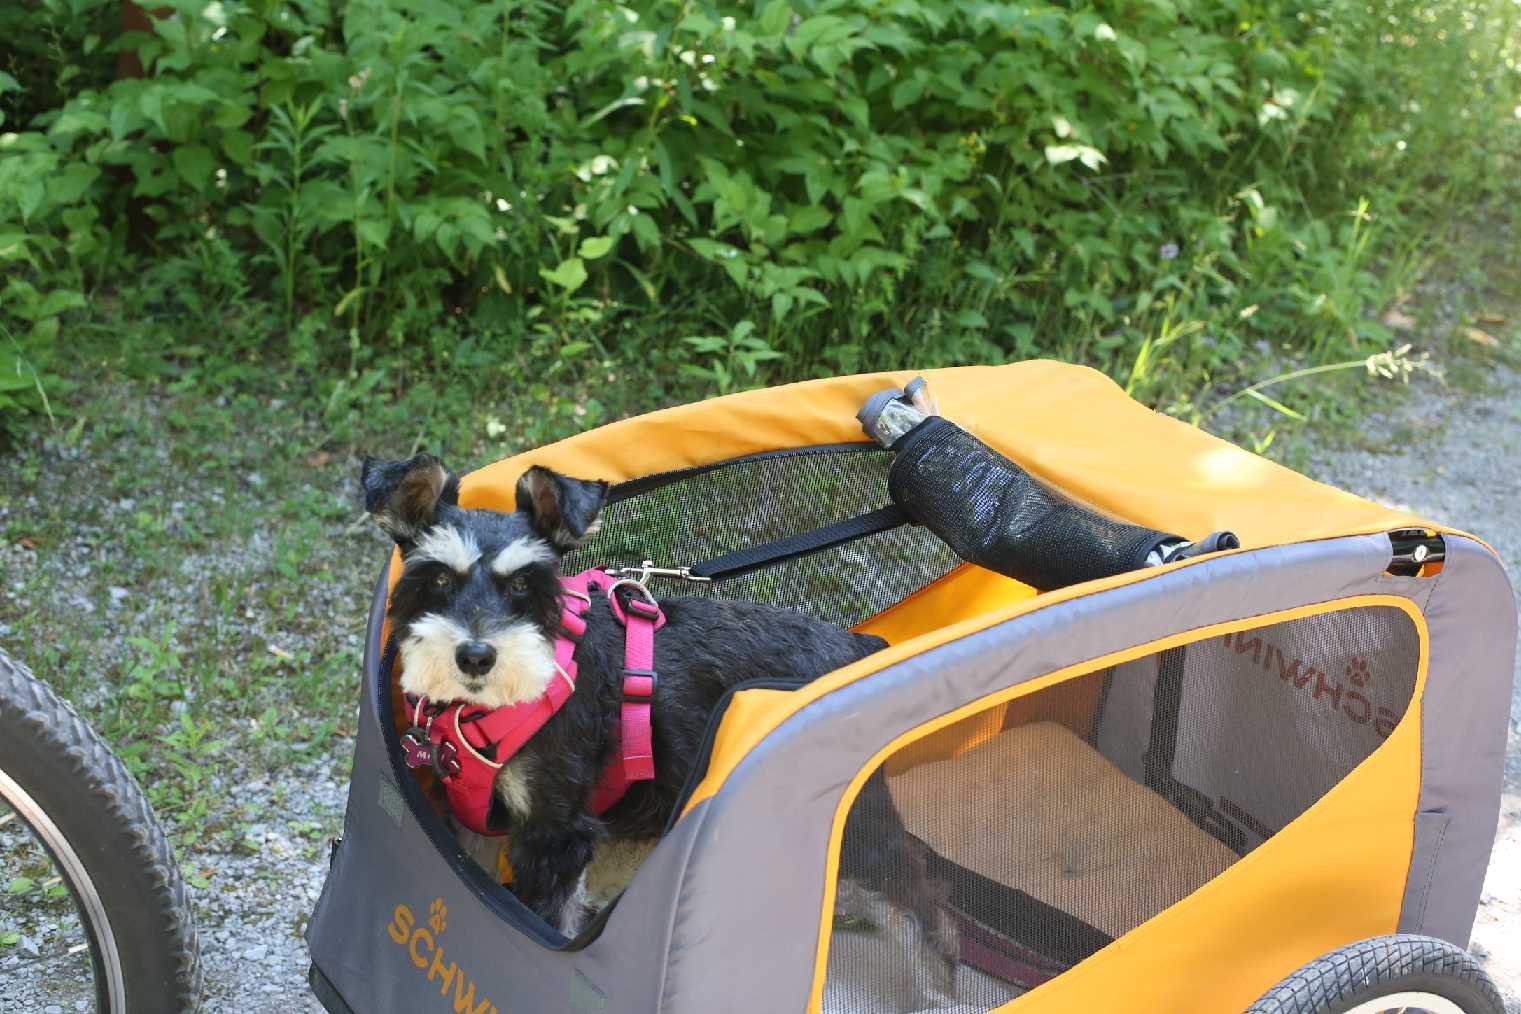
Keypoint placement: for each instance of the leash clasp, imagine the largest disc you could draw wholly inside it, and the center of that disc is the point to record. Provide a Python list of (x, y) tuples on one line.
[(646, 570)]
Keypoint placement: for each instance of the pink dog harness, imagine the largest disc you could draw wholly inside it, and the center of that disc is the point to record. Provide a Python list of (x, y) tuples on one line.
[(467, 744)]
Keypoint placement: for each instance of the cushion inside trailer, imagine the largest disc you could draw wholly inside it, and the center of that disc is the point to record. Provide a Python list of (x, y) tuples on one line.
[(1086, 826), (1047, 852)]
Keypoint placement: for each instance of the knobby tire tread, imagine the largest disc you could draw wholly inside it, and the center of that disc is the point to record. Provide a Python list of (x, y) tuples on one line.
[(33, 718), (1379, 966)]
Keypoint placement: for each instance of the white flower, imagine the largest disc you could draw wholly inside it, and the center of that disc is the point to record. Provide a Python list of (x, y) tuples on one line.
[(1088, 155)]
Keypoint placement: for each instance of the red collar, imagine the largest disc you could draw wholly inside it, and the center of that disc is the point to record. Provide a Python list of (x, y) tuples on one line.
[(467, 744)]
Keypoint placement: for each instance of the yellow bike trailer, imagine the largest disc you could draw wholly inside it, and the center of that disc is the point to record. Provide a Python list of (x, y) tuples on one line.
[(1164, 790)]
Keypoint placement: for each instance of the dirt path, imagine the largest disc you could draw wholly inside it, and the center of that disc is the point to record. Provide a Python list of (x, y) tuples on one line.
[(1456, 458)]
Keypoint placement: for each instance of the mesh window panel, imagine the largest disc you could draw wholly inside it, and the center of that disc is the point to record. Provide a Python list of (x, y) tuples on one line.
[(697, 516), (1026, 837)]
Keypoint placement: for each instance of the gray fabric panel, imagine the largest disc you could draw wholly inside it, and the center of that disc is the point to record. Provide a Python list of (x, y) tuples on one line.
[(1472, 615), (1430, 833), (762, 849), (1232, 726), (387, 860), (1124, 732)]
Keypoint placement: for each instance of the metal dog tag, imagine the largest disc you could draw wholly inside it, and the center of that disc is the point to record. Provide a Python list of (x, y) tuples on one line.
[(417, 749)]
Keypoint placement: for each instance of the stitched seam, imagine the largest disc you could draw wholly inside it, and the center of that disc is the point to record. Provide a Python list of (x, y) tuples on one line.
[(1431, 869)]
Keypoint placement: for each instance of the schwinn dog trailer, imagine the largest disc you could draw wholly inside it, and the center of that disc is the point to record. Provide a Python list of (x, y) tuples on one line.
[(1162, 791)]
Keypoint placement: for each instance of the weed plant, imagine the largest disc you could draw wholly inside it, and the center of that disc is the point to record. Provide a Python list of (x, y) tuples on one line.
[(394, 197)]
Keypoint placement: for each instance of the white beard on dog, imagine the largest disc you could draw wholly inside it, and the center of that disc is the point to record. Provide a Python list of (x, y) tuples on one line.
[(525, 662)]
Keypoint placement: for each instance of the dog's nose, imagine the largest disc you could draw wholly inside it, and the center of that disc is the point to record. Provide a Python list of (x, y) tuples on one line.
[(475, 658)]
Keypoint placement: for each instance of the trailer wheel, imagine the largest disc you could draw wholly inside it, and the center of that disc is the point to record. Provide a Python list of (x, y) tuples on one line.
[(1403, 972)]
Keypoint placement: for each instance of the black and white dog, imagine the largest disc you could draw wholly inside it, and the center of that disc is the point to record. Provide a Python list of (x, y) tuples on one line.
[(476, 612)]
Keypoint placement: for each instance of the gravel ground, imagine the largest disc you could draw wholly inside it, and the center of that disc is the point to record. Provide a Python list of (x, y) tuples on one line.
[(1458, 462), (267, 599), (186, 572)]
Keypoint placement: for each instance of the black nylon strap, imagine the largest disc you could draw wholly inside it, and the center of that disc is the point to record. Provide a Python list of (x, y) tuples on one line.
[(743, 561)]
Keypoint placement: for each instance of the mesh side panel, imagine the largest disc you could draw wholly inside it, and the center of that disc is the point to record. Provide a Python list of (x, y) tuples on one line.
[(1030, 835), (750, 501)]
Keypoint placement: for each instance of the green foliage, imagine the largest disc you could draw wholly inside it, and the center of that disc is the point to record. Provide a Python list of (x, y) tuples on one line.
[(1149, 185), (729, 362)]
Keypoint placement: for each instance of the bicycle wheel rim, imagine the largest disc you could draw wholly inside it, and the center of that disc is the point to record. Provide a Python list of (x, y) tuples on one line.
[(110, 986), (1408, 1000)]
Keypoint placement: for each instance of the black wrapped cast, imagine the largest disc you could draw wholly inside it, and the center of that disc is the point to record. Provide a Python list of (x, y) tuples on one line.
[(995, 514)]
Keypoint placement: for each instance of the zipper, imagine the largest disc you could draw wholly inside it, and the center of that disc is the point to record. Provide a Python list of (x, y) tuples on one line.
[(705, 749)]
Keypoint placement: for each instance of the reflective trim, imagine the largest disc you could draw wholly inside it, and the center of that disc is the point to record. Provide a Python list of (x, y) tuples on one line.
[(99, 925)]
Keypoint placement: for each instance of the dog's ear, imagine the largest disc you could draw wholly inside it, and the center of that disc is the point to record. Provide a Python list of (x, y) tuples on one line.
[(565, 511), (403, 496)]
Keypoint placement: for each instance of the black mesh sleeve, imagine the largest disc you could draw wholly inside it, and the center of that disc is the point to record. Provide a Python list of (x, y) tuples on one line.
[(995, 514)]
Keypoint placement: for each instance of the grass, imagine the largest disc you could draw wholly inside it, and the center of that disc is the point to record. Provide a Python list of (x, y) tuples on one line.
[(1465, 276), (183, 561), (182, 590)]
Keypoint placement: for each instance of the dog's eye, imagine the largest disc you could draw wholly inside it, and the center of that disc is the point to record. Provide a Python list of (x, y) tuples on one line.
[(442, 579), (518, 585)]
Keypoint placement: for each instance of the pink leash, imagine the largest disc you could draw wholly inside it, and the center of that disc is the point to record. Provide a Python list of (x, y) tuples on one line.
[(634, 751)]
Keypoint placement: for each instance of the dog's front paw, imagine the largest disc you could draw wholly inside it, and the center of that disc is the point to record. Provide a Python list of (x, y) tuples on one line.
[(943, 938), (577, 910)]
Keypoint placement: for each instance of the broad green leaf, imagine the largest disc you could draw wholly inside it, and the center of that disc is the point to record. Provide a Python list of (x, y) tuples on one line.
[(809, 218), (595, 246), (230, 115), (194, 163), (74, 119), (374, 231), (907, 92), (713, 250), (57, 301), (569, 274), (20, 885), (425, 224), (67, 186), (774, 18), (151, 104), (647, 233), (238, 144)]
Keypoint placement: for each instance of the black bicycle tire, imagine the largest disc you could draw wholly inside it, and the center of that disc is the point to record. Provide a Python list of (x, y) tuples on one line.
[(1378, 967), (99, 808)]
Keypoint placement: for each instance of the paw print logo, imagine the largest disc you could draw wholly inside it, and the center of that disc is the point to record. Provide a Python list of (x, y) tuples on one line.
[(1357, 672), (438, 916)]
